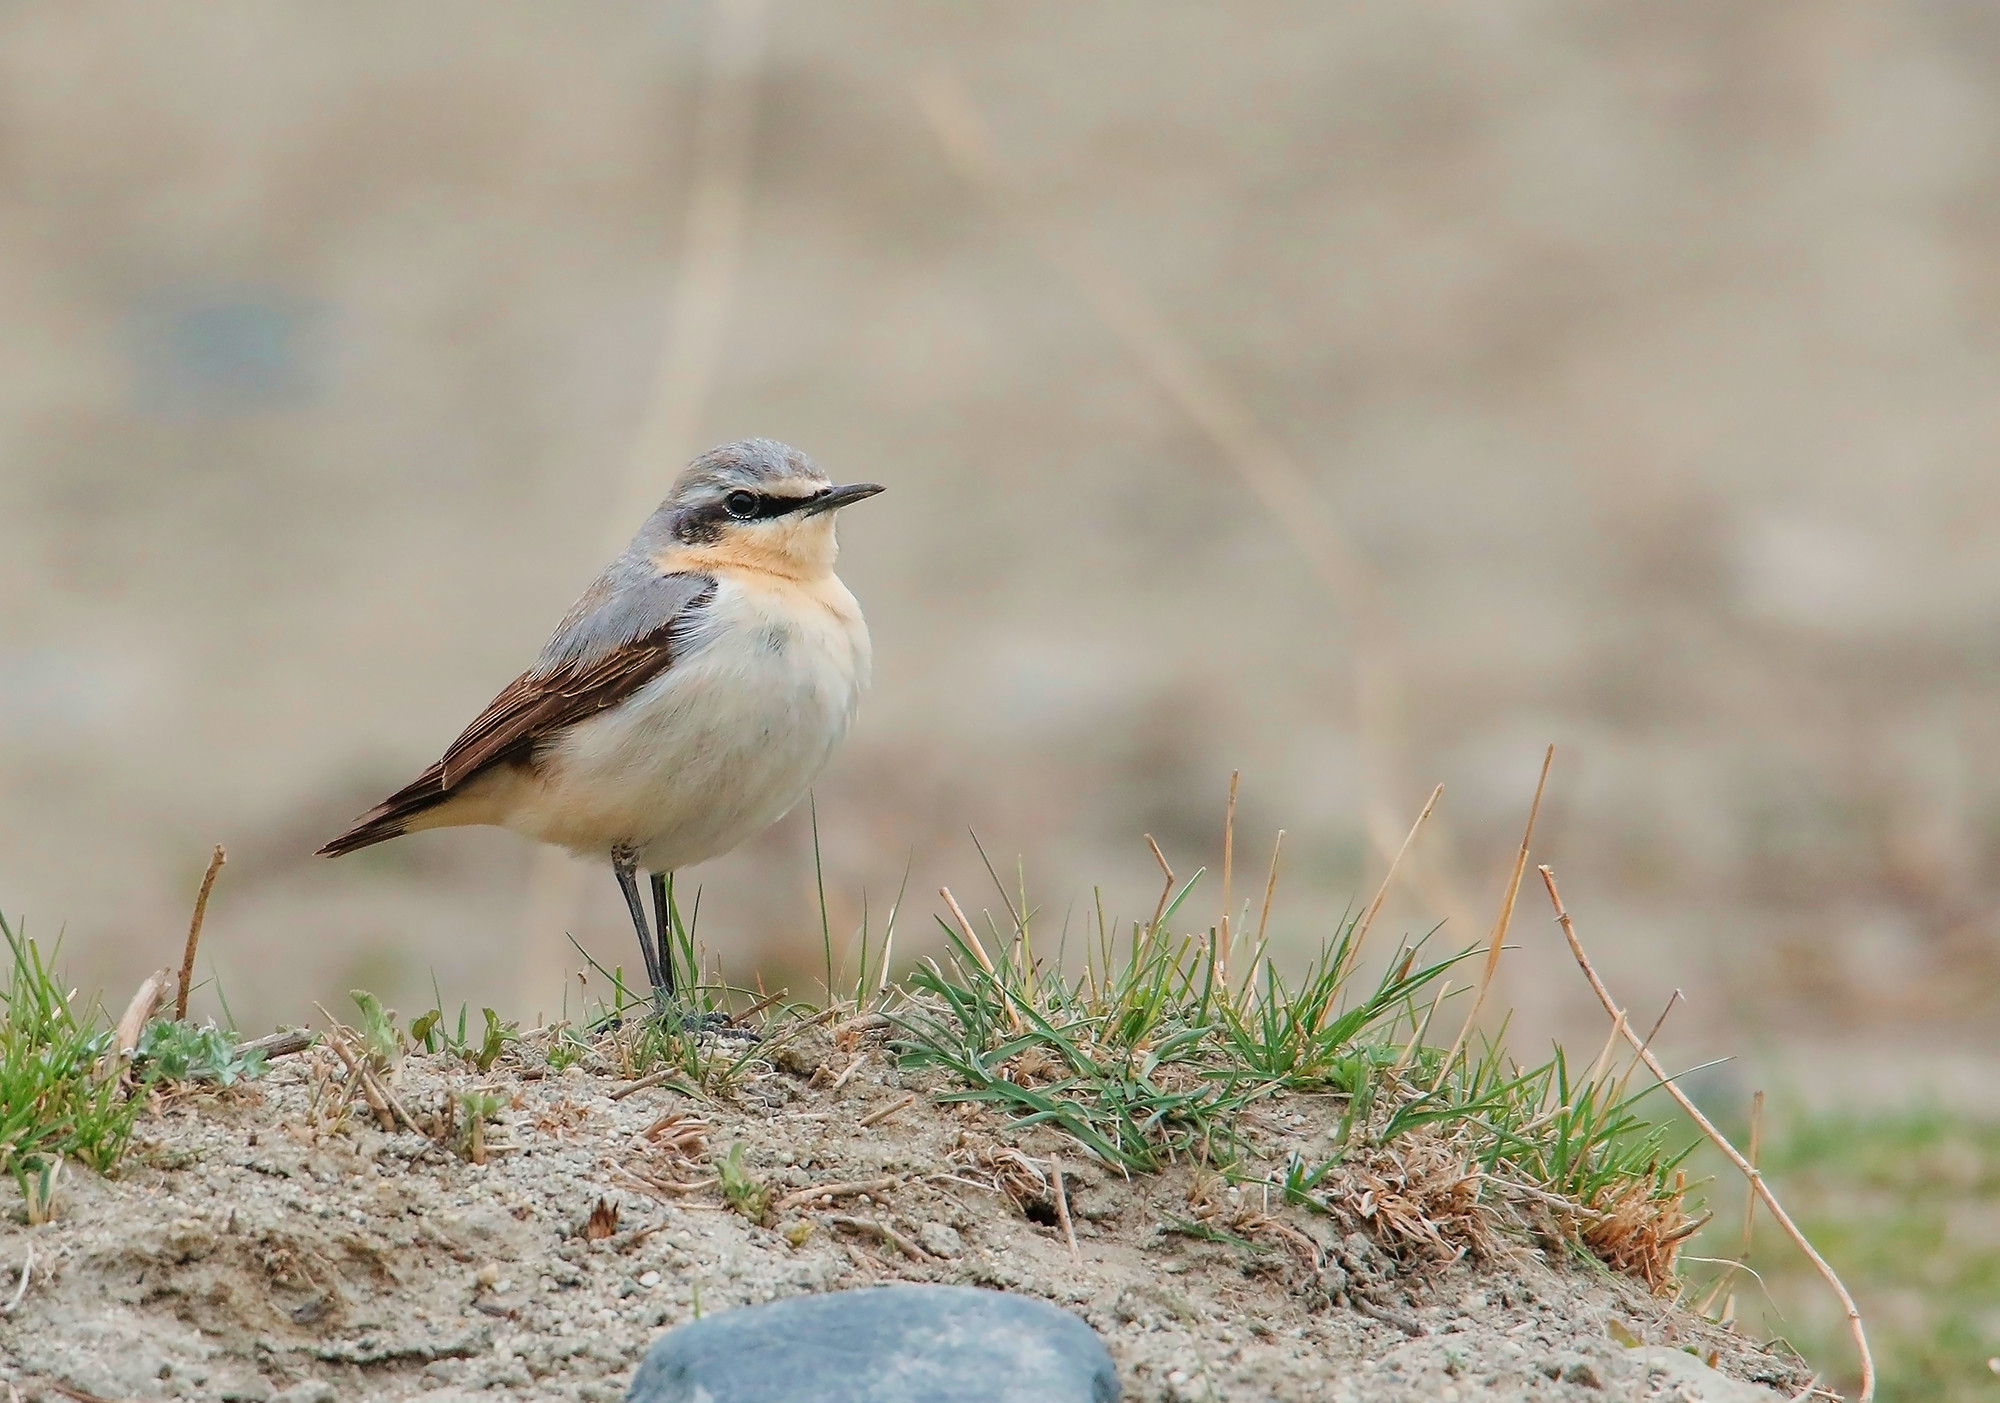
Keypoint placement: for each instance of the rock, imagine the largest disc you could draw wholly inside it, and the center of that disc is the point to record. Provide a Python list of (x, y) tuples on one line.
[(892, 1344), (1695, 1380), (941, 1240), (310, 1391)]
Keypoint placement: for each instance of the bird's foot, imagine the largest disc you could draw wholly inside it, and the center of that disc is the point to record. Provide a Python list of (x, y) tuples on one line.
[(700, 1023)]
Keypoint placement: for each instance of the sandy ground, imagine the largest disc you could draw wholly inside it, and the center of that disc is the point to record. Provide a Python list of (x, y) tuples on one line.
[(261, 1244)]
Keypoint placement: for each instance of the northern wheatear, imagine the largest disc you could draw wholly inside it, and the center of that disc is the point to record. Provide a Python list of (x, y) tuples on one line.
[(687, 701)]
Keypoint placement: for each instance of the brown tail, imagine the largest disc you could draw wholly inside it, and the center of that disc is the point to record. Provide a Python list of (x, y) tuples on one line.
[(390, 818)]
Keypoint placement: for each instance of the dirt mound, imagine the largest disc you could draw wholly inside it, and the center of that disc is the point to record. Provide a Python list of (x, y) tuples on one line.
[(271, 1242)]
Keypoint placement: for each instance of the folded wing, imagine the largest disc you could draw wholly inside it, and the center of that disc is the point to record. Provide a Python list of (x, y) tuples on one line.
[(627, 629)]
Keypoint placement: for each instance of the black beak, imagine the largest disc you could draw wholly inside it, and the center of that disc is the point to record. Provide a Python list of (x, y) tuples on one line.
[(836, 497)]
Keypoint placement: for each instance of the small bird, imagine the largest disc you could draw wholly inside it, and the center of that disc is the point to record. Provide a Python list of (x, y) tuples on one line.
[(688, 700)]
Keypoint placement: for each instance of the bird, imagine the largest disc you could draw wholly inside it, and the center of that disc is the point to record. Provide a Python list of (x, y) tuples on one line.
[(686, 702)]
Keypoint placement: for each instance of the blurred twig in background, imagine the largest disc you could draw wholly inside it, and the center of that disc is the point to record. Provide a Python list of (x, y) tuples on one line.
[(1266, 466)]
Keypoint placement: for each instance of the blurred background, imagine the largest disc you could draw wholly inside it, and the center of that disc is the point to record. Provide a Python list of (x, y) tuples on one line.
[(1358, 397), (1355, 397)]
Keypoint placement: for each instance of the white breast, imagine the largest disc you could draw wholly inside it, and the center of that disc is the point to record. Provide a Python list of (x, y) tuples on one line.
[(720, 745)]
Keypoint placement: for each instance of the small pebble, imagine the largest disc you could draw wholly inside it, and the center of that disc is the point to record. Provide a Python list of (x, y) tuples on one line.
[(649, 1279)]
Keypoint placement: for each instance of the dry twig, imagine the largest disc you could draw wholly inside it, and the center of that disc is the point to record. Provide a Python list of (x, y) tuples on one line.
[(979, 953), (283, 1043), (882, 1230), (215, 862), (1062, 1205), (830, 1191), (877, 1116), (1749, 1171)]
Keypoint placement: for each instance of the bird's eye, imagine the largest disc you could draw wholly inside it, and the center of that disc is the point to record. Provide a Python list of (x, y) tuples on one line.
[(741, 505)]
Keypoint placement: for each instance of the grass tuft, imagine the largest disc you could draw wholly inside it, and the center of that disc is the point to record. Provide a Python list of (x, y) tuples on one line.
[(1149, 1057), (60, 1093)]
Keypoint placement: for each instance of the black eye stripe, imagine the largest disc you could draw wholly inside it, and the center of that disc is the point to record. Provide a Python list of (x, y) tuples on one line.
[(706, 521), (769, 506)]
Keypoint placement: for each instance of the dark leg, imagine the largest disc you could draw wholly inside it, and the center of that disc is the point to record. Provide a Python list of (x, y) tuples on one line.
[(626, 870), (665, 930)]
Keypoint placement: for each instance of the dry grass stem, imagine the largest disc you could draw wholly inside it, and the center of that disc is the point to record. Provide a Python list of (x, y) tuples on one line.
[(146, 1001), (1749, 1171), (1506, 916), (215, 861), (1062, 1203), (1167, 890), (830, 1191), (883, 1231), (619, 1093), (1228, 873), (1270, 888), (876, 1117), (1382, 892), (979, 953)]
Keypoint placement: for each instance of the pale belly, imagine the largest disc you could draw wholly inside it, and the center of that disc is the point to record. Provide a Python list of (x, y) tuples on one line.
[(715, 749)]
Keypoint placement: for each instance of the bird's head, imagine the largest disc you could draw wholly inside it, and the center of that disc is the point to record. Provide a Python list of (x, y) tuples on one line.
[(758, 504)]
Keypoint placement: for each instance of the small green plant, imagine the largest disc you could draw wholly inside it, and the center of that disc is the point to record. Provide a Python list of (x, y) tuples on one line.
[(60, 1092), (194, 1054), (567, 1048), (38, 1189), (747, 1194), (430, 1032), (381, 1039), (476, 1107)]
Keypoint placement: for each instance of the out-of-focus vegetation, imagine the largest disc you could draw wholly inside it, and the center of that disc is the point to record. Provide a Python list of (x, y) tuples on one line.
[(1906, 1206)]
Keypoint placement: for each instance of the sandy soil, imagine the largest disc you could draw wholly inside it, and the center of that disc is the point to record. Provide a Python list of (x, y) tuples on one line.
[(271, 1243)]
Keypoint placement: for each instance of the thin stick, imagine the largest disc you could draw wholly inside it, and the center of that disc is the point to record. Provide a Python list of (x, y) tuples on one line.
[(1167, 891), (1062, 1212), (877, 1116), (1228, 864), (1721, 1142), (1505, 918), (1417, 1033), (1658, 1023), (1382, 892), (858, 1186), (849, 1070), (619, 1093), (1270, 888), (979, 953), (215, 862), (283, 1043), (1756, 1150), (882, 1230)]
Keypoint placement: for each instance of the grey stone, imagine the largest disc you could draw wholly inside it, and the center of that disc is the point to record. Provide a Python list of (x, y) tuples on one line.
[(941, 1240), (889, 1344)]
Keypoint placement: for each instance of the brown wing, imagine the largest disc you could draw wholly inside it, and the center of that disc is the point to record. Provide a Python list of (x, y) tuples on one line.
[(573, 681), (534, 706)]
